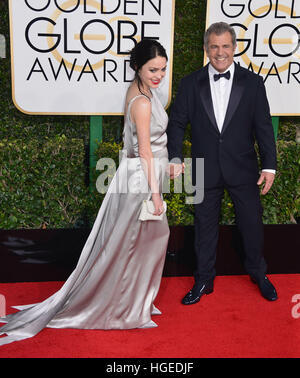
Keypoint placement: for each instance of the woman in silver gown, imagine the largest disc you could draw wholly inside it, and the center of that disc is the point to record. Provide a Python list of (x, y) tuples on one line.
[(119, 271)]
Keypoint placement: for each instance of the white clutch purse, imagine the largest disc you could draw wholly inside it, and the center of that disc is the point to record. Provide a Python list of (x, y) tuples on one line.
[(148, 210)]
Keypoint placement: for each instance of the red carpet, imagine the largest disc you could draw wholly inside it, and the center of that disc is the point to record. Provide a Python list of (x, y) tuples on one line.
[(234, 321)]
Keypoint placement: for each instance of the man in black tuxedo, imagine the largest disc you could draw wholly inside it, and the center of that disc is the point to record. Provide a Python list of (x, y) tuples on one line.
[(228, 110)]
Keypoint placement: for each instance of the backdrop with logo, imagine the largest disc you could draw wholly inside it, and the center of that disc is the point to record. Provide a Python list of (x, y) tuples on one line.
[(71, 56), (268, 39)]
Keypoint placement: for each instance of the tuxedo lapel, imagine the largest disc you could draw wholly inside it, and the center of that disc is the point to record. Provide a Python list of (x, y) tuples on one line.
[(205, 95), (238, 86)]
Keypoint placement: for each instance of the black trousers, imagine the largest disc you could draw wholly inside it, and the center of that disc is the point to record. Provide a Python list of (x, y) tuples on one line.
[(248, 213)]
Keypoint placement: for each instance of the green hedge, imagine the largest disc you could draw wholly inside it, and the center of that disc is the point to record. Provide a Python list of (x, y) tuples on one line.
[(281, 204), (34, 193), (42, 183)]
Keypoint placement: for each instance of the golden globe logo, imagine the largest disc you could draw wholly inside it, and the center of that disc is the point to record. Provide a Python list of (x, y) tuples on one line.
[(79, 44), (268, 42), (94, 37)]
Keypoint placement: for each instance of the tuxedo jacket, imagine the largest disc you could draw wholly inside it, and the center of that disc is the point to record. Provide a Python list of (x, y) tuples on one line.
[(229, 155)]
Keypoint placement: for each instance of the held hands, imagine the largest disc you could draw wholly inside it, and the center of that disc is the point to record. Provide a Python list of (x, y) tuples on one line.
[(174, 170), (268, 178)]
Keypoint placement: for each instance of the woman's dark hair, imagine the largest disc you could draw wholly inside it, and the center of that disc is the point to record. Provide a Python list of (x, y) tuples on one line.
[(144, 51)]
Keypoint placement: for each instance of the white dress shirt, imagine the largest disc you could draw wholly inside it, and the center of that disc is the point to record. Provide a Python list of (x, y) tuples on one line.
[(220, 93)]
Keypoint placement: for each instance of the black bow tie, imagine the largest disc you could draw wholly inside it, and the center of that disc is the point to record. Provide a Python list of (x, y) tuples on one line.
[(218, 76)]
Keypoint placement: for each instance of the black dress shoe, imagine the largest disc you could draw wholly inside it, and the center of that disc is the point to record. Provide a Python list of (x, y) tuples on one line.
[(194, 295), (266, 288)]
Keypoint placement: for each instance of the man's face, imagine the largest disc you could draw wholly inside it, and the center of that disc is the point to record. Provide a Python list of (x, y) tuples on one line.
[(220, 51)]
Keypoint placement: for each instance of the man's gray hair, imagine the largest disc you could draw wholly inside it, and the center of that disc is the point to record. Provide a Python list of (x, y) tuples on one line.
[(219, 28)]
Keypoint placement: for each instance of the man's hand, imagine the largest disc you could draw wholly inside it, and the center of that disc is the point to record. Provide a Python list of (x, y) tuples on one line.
[(268, 178), (174, 170)]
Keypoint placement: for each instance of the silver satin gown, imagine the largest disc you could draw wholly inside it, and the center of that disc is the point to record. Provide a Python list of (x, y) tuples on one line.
[(119, 271)]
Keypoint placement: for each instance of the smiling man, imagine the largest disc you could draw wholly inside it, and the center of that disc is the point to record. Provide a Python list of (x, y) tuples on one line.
[(228, 110)]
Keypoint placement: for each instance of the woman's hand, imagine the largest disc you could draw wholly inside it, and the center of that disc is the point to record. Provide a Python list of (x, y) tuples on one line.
[(174, 170), (158, 204)]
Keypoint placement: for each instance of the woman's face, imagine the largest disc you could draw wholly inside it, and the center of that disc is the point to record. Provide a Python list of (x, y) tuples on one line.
[(152, 72)]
